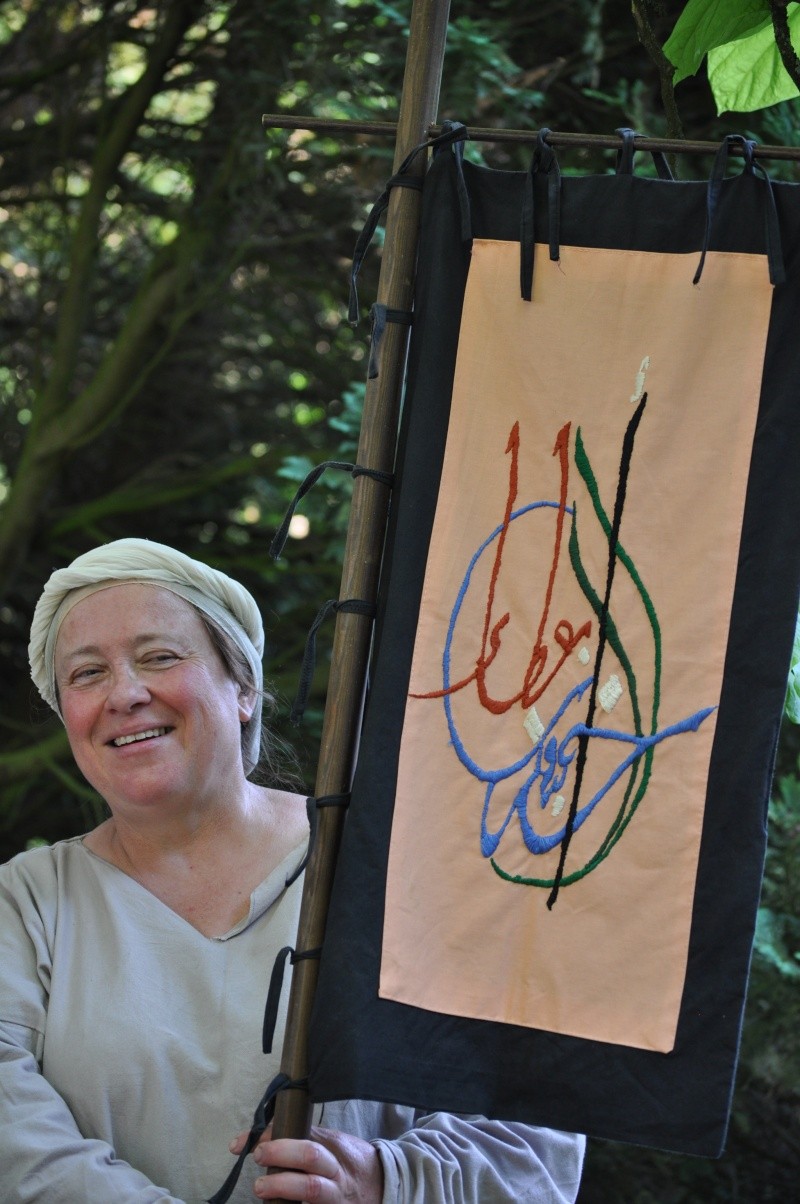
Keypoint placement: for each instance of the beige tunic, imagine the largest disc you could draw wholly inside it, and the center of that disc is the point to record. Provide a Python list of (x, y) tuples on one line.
[(130, 1055)]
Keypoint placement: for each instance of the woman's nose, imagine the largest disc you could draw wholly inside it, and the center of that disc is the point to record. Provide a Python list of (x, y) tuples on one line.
[(127, 691)]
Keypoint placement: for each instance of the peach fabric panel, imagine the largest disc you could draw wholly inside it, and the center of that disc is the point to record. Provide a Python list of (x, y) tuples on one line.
[(467, 930)]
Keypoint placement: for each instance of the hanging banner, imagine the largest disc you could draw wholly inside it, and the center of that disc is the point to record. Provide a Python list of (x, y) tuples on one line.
[(578, 418), (547, 891)]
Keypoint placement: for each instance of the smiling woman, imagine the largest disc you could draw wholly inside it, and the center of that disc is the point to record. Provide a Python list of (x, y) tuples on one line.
[(135, 958), (150, 710)]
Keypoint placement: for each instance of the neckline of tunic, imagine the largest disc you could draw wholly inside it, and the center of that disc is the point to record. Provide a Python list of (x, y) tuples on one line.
[(262, 898)]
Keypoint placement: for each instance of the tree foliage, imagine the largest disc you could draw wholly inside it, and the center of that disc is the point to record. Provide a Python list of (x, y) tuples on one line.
[(750, 48), (172, 327), (174, 355)]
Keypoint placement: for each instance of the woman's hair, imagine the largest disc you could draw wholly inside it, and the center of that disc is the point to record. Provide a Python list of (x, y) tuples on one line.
[(277, 764)]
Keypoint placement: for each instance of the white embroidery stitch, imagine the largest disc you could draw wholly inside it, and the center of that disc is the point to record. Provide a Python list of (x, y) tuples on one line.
[(638, 387), (584, 655), (609, 695), (533, 725), (558, 804)]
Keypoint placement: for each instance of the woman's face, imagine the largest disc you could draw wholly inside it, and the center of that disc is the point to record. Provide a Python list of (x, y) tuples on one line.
[(152, 716)]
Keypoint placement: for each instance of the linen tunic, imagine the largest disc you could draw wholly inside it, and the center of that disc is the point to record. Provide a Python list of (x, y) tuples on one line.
[(130, 1055)]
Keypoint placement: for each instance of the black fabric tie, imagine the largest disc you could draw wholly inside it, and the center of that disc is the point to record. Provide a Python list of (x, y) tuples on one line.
[(772, 230), (263, 1115), (308, 483), (456, 148), (543, 160), (627, 153), (379, 316), (356, 606), (452, 132), (276, 987), (312, 808)]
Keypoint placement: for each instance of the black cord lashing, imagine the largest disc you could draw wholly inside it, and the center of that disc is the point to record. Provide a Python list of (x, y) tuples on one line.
[(276, 987), (379, 316), (452, 132), (312, 807), (400, 180), (263, 1115), (355, 470), (356, 606)]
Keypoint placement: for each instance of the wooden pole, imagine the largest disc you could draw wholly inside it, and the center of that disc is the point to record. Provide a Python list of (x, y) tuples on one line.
[(418, 106)]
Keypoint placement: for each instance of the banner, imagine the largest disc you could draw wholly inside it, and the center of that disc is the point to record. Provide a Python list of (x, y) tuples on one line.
[(545, 902)]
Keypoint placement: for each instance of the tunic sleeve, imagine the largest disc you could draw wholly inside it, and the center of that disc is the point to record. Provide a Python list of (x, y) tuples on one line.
[(43, 1155), (440, 1158)]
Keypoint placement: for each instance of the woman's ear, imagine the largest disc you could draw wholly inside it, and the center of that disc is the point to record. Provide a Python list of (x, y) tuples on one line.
[(247, 704)]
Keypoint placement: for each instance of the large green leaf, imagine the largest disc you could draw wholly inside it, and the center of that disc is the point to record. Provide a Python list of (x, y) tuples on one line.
[(705, 24), (748, 74)]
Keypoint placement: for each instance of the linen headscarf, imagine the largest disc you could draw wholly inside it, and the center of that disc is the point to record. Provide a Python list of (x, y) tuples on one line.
[(142, 561)]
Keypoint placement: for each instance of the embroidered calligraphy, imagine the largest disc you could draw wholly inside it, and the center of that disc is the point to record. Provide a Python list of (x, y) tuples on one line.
[(555, 771)]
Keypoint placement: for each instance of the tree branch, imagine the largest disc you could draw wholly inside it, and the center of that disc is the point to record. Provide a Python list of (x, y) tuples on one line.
[(665, 69), (111, 148), (780, 25), (155, 495)]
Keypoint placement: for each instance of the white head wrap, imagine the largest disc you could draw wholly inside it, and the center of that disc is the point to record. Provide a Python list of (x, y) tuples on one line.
[(141, 561)]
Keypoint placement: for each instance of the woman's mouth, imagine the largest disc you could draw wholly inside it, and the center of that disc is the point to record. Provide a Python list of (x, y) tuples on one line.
[(149, 734)]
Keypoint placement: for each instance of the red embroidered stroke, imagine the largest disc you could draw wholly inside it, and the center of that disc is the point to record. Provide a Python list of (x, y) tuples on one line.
[(564, 635)]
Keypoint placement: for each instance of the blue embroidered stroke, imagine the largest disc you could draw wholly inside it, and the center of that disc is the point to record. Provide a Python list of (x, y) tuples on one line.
[(557, 760), (551, 761)]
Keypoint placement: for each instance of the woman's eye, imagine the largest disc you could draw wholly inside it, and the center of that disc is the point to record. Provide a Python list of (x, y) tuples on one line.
[(161, 658), (86, 673)]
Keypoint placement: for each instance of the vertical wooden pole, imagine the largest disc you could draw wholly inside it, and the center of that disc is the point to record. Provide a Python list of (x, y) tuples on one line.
[(418, 107)]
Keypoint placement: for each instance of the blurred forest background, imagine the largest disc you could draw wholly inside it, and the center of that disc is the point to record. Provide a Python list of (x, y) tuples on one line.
[(175, 357)]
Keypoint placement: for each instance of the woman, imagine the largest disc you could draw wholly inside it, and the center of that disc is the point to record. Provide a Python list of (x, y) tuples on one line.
[(135, 959)]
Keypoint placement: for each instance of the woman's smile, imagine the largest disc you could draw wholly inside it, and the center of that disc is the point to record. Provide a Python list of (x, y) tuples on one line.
[(149, 735)]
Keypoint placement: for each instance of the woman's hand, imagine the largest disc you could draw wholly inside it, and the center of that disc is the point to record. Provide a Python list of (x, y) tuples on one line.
[(328, 1167)]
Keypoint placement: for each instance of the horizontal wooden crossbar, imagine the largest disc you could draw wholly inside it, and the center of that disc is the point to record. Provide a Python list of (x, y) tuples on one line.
[(387, 129)]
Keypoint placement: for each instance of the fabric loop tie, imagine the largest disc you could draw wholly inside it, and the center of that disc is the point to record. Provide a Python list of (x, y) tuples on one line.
[(333, 800), (626, 156), (379, 316), (308, 483), (375, 474), (772, 231), (777, 270), (262, 1117), (400, 180), (355, 470), (543, 160), (355, 606), (273, 998), (312, 807), (311, 813), (276, 988), (452, 132), (457, 149)]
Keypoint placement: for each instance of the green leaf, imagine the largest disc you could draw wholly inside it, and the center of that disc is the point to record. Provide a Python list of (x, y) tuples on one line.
[(772, 940), (748, 74), (295, 468), (705, 24), (792, 706)]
